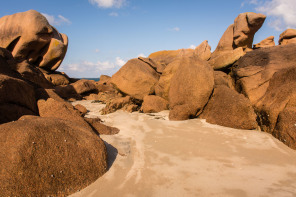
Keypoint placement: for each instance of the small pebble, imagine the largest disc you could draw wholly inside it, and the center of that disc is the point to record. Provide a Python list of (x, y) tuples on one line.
[(65, 140), (52, 175), (33, 142)]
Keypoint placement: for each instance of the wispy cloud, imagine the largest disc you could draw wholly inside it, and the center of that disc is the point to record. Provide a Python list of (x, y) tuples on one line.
[(108, 3), (92, 69), (175, 29), (281, 13), (56, 21)]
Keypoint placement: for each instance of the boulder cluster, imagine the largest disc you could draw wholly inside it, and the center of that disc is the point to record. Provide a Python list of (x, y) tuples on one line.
[(49, 148), (239, 85)]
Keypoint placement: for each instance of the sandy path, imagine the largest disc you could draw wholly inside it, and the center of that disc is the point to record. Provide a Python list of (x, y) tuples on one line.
[(152, 156)]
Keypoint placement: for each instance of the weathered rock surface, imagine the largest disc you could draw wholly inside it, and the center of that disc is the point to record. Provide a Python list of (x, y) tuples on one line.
[(81, 109), (124, 103), (30, 37), (288, 37), (245, 27), (83, 86), (226, 58), (221, 78), (280, 96), (56, 78), (14, 92), (168, 56), (48, 157), (62, 110), (101, 128), (162, 87), (136, 79), (203, 51), (253, 71), (229, 108), (154, 104), (267, 42), (190, 88)]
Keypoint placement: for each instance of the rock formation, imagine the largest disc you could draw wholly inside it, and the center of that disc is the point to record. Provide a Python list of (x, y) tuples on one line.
[(190, 88), (136, 78), (287, 37), (236, 40), (30, 37), (154, 104), (268, 42), (48, 157)]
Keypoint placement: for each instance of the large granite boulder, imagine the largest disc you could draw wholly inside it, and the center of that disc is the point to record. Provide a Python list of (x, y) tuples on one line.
[(136, 79), (48, 157), (162, 87), (267, 42), (253, 71), (190, 89), (288, 37), (30, 37), (117, 103), (154, 104), (230, 109)]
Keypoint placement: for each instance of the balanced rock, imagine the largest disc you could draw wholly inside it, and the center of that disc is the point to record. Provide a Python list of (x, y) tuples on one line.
[(136, 79), (48, 157), (190, 89), (154, 104), (287, 37), (253, 71), (30, 37), (237, 39), (230, 109), (267, 42), (245, 27)]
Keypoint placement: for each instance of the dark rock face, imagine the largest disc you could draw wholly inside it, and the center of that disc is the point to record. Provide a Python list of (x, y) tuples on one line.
[(48, 156), (253, 71), (277, 107), (229, 108), (190, 89)]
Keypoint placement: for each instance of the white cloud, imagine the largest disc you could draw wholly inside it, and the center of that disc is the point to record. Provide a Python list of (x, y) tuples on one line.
[(192, 46), (175, 29), (108, 3), (281, 13), (59, 20), (141, 55), (113, 14), (92, 69), (119, 62)]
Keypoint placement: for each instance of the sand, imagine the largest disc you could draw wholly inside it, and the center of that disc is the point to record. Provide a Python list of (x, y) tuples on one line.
[(152, 156)]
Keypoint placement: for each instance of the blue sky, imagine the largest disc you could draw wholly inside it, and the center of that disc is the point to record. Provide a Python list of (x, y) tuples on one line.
[(104, 34)]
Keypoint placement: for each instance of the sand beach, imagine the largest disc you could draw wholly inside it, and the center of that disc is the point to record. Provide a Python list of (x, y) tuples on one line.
[(152, 156)]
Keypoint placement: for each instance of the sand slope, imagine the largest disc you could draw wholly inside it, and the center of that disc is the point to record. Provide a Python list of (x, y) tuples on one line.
[(152, 156)]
